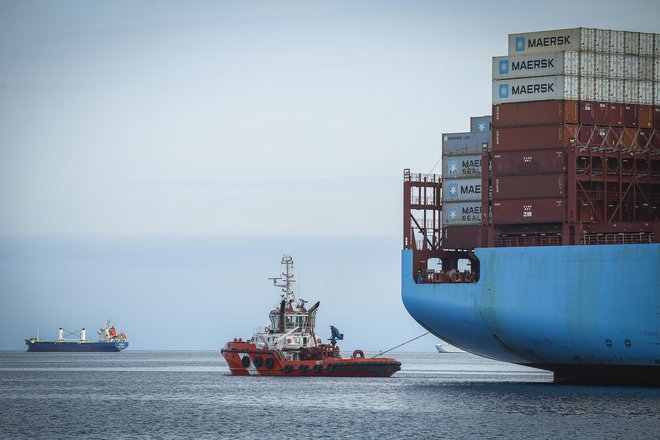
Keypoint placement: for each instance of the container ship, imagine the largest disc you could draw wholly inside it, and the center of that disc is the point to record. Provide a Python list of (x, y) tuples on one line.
[(110, 340), (538, 245)]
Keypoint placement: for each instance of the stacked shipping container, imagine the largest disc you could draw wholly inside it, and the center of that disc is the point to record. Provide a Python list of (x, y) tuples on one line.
[(462, 165), (579, 99)]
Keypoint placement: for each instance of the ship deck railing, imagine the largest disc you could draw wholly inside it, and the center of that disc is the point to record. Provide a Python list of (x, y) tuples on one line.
[(619, 238)]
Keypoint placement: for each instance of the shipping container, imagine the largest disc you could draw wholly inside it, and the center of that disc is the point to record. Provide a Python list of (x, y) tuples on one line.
[(657, 45), (461, 166), (616, 90), (616, 42), (461, 213), (645, 116), (600, 113), (645, 93), (656, 69), (546, 41), (602, 43), (480, 123), (528, 211), (587, 112), (587, 39), (587, 89), (517, 114), (646, 44), (534, 138), (630, 118), (616, 66), (602, 93), (525, 66), (520, 163), (526, 187), (587, 64), (646, 66), (614, 114), (631, 92), (461, 237), (461, 190), (541, 88), (656, 94), (631, 67), (599, 136), (631, 43), (656, 117), (458, 144), (602, 65)]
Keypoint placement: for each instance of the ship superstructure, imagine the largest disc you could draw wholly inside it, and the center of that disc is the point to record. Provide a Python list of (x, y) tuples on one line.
[(539, 243)]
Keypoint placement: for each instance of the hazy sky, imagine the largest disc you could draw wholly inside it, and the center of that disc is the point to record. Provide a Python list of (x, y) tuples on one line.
[(237, 119)]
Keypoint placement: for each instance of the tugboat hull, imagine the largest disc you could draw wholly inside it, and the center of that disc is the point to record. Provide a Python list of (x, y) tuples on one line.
[(246, 359)]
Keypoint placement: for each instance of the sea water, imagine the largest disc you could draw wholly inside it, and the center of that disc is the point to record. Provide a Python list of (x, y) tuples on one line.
[(191, 394)]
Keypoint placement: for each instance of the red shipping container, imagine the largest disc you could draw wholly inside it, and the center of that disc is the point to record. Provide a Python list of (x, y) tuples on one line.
[(526, 187), (600, 113), (513, 212), (645, 139), (629, 139), (615, 114), (645, 116), (461, 237), (613, 136), (540, 137), (630, 118), (586, 112), (520, 114), (514, 163), (656, 117)]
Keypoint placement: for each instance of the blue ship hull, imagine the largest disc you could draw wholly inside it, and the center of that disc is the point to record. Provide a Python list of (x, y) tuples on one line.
[(590, 314), (66, 346)]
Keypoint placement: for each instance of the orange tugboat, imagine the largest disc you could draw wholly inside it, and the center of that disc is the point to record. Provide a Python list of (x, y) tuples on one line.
[(289, 346)]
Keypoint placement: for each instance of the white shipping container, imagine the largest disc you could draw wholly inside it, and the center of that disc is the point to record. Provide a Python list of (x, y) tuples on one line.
[(616, 90), (602, 64), (540, 88), (646, 93), (461, 213), (630, 91), (656, 70), (631, 43), (616, 66), (461, 166), (545, 41), (602, 89), (461, 190), (616, 42), (459, 144), (544, 64), (646, 68), (656, 92), (587, 88), (657, 45), (587, 64), (588, 39), (602, 42), (646, 44), (631, 67)]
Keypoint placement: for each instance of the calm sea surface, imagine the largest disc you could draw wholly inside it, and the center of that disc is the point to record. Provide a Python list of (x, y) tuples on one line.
[(190, 394)]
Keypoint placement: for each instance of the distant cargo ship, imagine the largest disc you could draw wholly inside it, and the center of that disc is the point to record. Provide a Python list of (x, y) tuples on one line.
[(540, 244), (444, 347), (110, 340)]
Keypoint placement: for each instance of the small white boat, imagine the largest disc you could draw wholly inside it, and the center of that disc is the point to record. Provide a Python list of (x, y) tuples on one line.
[(444, 347)]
